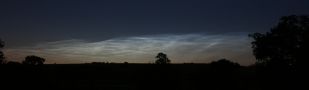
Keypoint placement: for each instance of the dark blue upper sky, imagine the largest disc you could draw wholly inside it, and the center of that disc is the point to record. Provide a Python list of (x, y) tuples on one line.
[(23, 22)]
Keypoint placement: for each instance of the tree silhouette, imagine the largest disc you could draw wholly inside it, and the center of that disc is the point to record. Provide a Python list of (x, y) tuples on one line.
[(285, 44), (34, 60), (162, 59), (1, 53)]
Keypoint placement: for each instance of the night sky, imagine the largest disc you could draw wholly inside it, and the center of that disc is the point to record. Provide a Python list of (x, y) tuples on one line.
[(80, 31)]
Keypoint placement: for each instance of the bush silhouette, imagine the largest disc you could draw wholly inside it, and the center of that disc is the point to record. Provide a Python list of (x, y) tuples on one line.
[(224, 64), (1, 53), (13, 63), (162, 59), (34, 60), (285, 44)]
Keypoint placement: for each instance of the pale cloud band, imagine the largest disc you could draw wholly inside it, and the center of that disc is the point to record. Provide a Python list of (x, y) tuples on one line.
[(185, 48)]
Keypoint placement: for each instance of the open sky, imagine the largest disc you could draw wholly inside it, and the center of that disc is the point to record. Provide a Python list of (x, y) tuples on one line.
[(80, 31)]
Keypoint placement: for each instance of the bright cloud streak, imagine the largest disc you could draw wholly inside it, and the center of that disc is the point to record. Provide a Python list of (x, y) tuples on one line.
[(187, 48)]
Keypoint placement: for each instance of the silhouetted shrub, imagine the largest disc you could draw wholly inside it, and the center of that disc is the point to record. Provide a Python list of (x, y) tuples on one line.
[(34, 60), (13, 63), (224, 64), (1, 53), (98, 63)]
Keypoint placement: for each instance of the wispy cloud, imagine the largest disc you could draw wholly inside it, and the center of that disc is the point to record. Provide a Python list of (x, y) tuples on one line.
[(197, 48)]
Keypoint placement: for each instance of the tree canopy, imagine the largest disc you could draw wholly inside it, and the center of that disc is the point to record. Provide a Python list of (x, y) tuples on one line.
[(162, 59), (34, 60), (285, 44)]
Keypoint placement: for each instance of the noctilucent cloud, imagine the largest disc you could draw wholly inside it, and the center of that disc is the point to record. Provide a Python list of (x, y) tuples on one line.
[(185, 48)]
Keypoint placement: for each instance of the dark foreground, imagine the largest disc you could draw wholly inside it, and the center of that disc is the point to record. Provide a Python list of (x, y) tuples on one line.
[(128, 77)]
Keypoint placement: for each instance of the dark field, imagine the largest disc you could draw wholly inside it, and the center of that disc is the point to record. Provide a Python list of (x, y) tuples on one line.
[(128, 77)]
